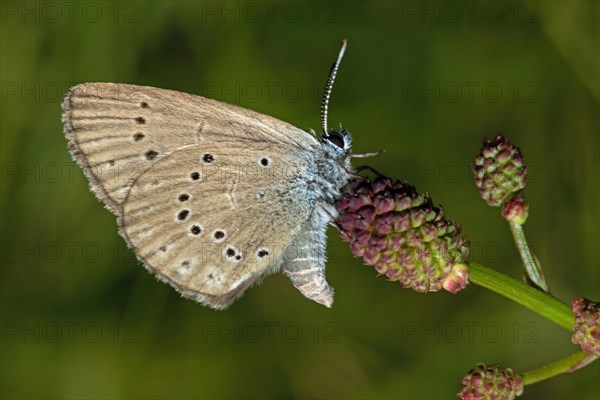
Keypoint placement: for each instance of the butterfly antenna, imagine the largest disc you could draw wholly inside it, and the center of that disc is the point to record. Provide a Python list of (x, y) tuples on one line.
[(329, 86)]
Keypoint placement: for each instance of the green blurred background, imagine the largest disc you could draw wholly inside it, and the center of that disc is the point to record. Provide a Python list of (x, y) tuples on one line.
[(423, 80)]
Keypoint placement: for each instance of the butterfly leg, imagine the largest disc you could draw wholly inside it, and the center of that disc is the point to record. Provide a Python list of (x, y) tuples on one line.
[(306, 259)]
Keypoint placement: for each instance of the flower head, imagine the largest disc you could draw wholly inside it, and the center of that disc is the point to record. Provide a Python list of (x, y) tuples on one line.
[(400, 232)]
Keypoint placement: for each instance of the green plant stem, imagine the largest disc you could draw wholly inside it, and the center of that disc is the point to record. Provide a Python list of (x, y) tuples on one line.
[(537, 301), (532, 267), (564, 365)]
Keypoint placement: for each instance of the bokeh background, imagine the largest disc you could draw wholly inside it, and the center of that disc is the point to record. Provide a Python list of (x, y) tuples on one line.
[(424, 80)]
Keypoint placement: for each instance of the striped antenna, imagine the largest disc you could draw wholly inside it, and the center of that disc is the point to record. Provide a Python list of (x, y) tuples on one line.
[(329, 86)]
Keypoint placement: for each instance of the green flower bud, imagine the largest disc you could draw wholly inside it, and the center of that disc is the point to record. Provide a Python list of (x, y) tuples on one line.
[(499, 170), (516, 209)]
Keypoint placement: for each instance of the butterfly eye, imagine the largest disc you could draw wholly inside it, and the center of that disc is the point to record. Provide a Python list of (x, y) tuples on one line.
[(336, 138)]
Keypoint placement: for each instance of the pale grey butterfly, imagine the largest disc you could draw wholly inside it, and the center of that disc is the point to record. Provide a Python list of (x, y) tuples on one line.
[(211, 197)]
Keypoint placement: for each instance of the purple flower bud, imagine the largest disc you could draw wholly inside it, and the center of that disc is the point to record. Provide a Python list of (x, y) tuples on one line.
[(457, 279), (490, 382)]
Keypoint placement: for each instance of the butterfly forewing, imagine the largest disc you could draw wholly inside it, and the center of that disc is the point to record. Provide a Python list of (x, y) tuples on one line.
[(117, 131)]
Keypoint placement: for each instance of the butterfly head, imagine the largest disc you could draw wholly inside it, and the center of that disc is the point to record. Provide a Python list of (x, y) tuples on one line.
[(337, 143)]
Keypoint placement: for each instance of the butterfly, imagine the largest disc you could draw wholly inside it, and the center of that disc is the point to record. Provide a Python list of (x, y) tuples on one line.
[(212, 197)]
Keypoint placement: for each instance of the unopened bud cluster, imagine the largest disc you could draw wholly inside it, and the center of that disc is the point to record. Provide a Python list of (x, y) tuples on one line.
[(586, 331), (490, 382), (500, 173)]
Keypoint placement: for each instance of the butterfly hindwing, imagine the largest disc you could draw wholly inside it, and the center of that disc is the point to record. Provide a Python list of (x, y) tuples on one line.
[(212, 219)]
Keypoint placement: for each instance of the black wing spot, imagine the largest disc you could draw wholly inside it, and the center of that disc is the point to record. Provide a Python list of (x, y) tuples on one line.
[(265, 162), (230, 252), (183, 214), (196, 230), (262, 253), (140, 120), (195, 176), (183, 197), (219, 234), (208, 158), (151, 155), (143, 104), (238, 257), (138, 136)]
